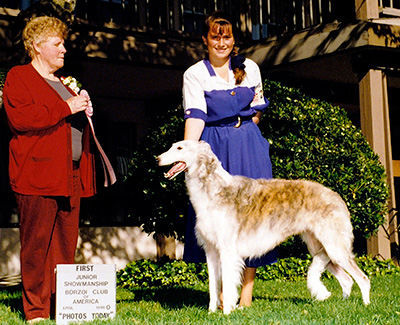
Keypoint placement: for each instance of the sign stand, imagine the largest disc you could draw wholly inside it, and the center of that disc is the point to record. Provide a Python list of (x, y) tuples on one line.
[(85, 292)]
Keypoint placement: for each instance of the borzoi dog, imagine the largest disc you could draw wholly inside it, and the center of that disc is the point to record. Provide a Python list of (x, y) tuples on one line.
[(239, 217)]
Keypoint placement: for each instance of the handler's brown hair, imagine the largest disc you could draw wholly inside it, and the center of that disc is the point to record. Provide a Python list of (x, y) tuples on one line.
[(218, 22)]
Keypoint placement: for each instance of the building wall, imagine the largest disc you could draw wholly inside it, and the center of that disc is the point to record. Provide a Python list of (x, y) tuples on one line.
[(96, 245)]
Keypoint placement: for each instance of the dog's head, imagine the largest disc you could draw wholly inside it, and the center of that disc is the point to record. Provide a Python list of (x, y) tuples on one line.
[(186, 155)]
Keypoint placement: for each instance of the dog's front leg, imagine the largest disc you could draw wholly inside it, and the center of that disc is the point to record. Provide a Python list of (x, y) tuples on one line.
[(231, 267), (214, 278)]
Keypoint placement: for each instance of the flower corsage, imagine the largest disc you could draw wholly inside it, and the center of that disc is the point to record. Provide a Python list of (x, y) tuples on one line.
[(72, 83), (75, 86)]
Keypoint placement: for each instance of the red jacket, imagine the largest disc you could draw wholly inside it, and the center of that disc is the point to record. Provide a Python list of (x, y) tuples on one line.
[(40, 150)]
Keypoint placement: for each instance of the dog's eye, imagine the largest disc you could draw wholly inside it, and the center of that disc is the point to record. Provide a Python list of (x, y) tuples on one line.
[(179, 148)]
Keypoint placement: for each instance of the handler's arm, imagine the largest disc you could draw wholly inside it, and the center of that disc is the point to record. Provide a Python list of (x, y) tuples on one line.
[(29, 107), (193, 129), (257, 117)]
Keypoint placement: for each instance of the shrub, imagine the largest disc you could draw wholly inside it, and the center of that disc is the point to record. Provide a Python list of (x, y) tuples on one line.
[(294, 269), (310, 139), (376, 267), (165, 273), (162, 203)]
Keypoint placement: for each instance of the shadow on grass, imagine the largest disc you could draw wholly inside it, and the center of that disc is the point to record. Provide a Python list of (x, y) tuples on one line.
[(178, 297), (293, 300), (171, 298), (12, 297)]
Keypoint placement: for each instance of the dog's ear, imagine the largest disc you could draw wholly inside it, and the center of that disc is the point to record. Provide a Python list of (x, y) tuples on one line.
[(204, 147), (207, 160)]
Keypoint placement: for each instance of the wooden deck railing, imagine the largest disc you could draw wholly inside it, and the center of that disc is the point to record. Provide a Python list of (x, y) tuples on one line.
[(256, 19)]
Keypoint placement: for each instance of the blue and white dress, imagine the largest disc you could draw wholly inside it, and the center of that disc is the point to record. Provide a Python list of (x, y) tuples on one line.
[(242, 150)]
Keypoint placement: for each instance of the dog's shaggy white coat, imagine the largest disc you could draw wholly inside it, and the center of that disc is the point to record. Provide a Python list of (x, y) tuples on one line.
[(239, 217)]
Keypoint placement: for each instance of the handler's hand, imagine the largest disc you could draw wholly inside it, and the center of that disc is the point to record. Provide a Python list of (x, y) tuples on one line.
[(89, 109), (77, 104)]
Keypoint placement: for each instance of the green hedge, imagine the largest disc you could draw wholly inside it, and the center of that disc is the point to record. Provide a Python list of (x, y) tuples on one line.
[(165, 273), (310, 139), (161, 203)]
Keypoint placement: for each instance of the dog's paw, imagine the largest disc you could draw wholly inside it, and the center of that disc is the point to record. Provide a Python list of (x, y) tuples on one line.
[(323, 295), (212, 308), (366, 301), (228, 309)]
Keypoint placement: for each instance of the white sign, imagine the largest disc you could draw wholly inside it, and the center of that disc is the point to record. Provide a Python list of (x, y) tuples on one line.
[(85, 292)]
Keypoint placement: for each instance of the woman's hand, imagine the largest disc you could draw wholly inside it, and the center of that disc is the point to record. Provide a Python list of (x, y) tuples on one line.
[(256, 118), (89, 109), (81, 103), (77, 104)]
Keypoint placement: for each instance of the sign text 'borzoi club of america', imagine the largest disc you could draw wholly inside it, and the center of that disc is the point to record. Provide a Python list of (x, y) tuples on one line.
[(85, 292)]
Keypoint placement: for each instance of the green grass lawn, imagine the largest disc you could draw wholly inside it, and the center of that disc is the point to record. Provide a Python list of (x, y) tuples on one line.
[(274, 303)]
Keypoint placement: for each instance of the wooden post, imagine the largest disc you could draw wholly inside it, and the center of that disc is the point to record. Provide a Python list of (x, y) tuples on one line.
[(367, 9), (375, 126), (165, 246)]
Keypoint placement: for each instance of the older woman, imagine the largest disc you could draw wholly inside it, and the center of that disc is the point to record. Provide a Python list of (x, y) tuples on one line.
[(50, 166)]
